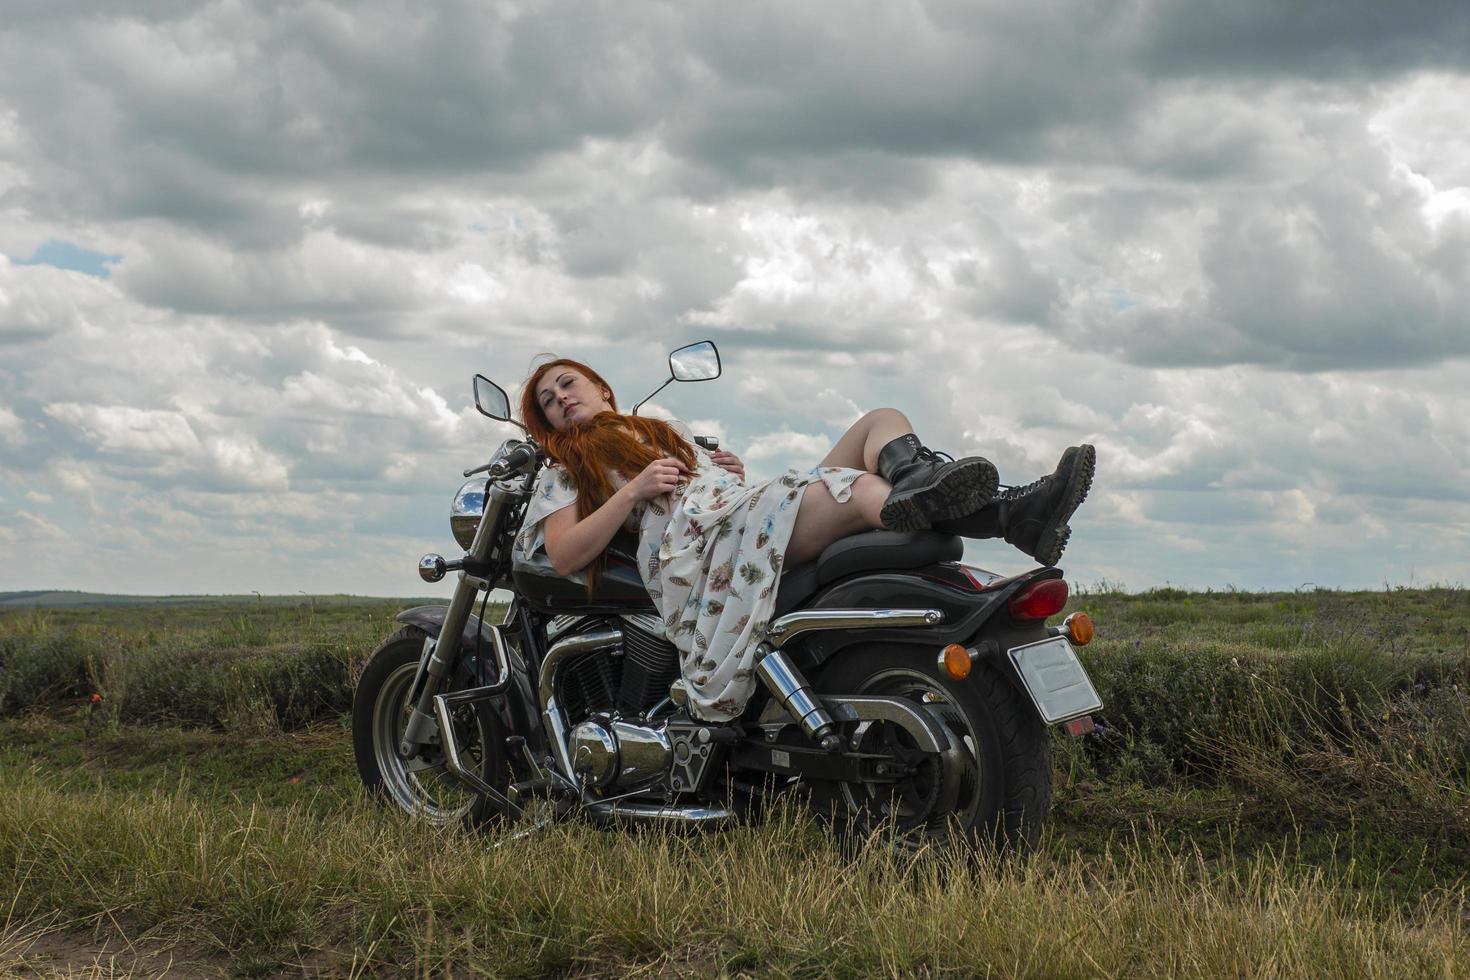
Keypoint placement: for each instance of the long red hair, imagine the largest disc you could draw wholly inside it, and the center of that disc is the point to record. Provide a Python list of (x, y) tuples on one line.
[(592, 450)]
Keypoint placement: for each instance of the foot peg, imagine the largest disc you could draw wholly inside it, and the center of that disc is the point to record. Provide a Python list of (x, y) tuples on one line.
[(791, 689)]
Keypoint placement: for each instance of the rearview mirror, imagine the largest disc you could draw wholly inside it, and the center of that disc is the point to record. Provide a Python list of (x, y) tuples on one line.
[(491, 399), (696, 362)]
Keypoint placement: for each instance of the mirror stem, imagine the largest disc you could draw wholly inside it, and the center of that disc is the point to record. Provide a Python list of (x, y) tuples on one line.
[(650, 395)]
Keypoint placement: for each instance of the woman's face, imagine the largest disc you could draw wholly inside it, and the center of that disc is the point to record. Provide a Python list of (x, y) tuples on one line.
[(566, 396)]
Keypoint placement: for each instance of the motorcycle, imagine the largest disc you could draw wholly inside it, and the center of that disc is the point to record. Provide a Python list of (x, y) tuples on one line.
[(899, 686)]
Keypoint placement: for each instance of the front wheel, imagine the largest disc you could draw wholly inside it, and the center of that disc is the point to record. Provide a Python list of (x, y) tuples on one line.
[(422, 786), (994, 783)]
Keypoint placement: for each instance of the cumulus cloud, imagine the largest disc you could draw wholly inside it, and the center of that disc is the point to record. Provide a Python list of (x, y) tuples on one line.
[(12, 431), (1229, 246)]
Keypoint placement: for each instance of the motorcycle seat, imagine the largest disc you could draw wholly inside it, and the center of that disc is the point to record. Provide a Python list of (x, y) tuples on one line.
[(866, 552)]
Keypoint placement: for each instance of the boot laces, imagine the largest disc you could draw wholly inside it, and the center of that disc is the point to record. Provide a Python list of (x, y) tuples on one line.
[(1012, 492), (931, 455)]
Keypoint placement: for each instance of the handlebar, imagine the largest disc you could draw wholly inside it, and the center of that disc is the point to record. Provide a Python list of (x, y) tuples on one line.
[(518, 458)]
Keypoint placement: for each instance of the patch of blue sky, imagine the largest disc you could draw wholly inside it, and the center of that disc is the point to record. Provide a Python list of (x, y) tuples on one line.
[(1119, 300), (65, 255)]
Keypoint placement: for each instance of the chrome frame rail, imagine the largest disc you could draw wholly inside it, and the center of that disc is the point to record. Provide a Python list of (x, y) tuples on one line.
[(928, 734), (781, 631), (443, 703)]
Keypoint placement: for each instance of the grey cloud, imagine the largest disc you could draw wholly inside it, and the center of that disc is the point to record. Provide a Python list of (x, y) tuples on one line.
[(1006, 284), (931, 80), (321, 275), (1315, 38), (35, 301), (221, 93), (189, 98), (1015, 222), (1331, 263)]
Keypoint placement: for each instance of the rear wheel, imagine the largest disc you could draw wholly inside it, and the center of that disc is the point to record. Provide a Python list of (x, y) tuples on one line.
[(422, 786), (994, 782)]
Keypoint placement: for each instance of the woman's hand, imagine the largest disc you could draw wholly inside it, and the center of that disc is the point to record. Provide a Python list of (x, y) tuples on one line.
[(658, 478), (727, 460)]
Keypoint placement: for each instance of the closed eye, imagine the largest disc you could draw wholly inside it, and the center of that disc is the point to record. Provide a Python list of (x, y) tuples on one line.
[(564, 381)]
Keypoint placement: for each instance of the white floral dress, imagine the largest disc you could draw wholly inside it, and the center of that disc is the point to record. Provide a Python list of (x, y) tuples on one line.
[(711, 556)]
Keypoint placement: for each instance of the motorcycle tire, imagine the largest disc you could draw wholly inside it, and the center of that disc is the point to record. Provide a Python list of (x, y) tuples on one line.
[(379, 712), (993, 789)]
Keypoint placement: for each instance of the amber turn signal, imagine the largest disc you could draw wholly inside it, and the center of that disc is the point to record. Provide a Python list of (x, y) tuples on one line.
[(1078, 627), (954, 660)]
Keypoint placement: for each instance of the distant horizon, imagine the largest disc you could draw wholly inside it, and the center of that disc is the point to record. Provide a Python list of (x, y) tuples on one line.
[(13, 599)]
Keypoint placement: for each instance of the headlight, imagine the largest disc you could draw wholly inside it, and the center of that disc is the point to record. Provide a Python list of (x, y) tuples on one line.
[(467, 509)]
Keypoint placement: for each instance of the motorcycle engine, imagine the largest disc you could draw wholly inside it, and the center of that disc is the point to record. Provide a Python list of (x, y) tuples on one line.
[(606, 751), (626, 681), (608, 695)]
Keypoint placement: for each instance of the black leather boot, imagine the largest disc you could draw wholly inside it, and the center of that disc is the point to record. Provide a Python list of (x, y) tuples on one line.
[(927, 488), (1034, 517)]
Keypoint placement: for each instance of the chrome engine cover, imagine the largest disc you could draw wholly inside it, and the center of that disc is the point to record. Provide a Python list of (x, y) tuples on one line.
[(607, 753)]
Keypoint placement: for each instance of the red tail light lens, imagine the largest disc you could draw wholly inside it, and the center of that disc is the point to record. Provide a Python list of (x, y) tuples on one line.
[(1039, 599)]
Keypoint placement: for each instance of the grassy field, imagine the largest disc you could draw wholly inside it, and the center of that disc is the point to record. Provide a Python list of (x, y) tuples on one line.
[(1281, 788)]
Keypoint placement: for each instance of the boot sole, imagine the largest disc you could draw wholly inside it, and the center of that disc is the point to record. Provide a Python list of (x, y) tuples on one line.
[(1053, 539), (964, 489)]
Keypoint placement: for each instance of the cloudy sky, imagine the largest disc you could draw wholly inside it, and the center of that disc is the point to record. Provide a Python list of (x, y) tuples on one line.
[(251, 253)]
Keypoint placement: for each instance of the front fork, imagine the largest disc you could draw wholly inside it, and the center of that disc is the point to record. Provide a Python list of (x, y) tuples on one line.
[(422, 729), (439, 652)]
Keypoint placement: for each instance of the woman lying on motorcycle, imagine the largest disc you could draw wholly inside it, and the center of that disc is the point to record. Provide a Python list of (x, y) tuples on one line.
[(711, 549)]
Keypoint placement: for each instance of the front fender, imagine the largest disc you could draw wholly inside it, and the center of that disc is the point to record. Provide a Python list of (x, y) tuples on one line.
[(517, 706)]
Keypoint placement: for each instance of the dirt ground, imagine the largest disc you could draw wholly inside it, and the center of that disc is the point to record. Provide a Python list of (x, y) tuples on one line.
[(39, 952)]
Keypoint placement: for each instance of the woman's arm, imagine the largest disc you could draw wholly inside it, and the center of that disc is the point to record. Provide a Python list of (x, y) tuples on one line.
[(572, 545)]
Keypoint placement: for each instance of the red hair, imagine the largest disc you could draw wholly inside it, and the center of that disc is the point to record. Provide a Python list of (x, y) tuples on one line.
[(608, 441)]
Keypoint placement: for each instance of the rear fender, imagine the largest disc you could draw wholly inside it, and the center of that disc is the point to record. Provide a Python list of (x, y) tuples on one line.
[(972, 617), (516, 707)]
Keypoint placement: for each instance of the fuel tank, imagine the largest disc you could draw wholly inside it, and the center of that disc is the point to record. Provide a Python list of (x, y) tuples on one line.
[(619, 588)]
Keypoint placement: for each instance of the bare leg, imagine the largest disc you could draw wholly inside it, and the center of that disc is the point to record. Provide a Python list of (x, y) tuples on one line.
[(822, 520), (858, 448)]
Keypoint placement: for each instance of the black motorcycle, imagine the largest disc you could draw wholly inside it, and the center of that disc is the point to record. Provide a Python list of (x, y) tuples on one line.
[(899, 686)]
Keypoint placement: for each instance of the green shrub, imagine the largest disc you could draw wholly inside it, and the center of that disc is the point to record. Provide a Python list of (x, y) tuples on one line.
[(260, 673), (1169, 710), (274, 690), (44, 668)]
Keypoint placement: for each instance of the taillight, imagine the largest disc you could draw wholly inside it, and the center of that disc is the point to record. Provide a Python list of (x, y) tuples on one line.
[(1039, 599)]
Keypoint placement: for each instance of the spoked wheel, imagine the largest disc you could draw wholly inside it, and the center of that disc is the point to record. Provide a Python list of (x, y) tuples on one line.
[(993, 783), (421, 786)]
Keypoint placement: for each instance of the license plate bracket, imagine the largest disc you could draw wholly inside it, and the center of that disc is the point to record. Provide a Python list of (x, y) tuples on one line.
[(1055, 679)]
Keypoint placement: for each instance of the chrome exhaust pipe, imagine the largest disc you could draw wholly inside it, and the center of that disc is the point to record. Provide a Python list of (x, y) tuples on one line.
[(790, 688), (696, 817), (556, 723)]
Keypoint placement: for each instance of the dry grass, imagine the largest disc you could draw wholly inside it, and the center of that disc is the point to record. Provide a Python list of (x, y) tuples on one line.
[(1283, 790), (368, 890)]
